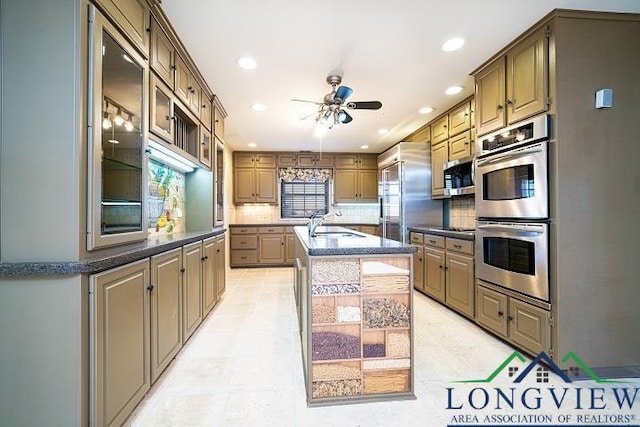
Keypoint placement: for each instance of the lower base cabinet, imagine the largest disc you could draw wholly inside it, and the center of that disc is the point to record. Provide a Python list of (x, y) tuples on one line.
[(525, 325), (120, 373), (221, 263), (141, 314), (166, 309), (191, 289), (447, 271)]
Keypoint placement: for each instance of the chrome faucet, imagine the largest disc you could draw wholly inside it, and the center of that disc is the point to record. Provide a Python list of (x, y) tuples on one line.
[(315, 221)]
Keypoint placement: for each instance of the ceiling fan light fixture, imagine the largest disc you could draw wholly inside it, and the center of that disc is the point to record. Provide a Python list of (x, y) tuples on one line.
[(452, 44), (252, 145), (364, 147), (258, 106), (425, 110), (453, 90), (383, 131), (247, 63)]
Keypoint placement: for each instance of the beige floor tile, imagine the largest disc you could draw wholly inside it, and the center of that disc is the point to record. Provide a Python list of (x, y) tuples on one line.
[(243, 366)]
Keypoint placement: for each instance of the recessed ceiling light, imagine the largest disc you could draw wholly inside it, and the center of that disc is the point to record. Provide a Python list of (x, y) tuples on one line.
[(383, 131), (364, 147), (453, 90), (252, 144), (453, 44), (258, 107), (247, 63), (425, 110)]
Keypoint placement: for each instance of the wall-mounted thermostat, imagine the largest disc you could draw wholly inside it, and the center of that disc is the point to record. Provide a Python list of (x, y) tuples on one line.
[(604, 98)]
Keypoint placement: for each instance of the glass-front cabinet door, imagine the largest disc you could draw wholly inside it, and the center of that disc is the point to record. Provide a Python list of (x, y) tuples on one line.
[(219, 183), (117, 118)]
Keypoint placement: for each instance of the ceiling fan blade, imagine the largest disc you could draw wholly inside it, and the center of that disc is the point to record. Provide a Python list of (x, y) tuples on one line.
[(343, 92), (308, 115), (345, 117), (310, 102), (365, 105)]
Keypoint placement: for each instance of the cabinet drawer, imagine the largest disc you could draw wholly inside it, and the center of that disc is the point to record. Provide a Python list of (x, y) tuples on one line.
[(244, 230), (271, 230), (464, 246), (244, 257), (244, 242), (416, 237), (433, 240)]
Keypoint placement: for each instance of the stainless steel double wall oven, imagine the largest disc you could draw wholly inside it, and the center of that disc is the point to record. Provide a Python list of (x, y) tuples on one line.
[(512, 205)]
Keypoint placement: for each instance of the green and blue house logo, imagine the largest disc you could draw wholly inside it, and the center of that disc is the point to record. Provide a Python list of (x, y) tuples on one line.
[(541, 393)]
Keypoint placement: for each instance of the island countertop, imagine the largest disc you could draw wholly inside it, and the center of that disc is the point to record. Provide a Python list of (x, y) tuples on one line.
[(333, 240)]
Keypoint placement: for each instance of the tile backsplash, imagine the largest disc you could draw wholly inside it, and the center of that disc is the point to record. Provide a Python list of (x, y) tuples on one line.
[(268, 214), (462, 213), (166, 200)]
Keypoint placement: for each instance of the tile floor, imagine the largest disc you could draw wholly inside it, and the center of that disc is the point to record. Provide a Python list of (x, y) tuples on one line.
[(243, 365)]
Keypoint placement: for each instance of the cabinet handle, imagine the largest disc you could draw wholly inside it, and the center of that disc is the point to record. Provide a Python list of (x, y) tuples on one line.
[(218, 250), (509, 318), (500, 107), (441, 267), (500, 313), (433, 242), (150, 288), (173, 67), (182, 270), (148, 151), (282, 243), (446, 268), (444, 126), (457, 246), (204, 105), (420, 259), (204, 258), (509, 102)]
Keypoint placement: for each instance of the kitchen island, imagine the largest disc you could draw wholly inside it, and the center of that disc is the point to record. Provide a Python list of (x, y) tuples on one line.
[(354, 303)]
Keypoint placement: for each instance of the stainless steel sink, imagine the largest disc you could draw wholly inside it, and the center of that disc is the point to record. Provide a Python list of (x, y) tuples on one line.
[(336, 234)]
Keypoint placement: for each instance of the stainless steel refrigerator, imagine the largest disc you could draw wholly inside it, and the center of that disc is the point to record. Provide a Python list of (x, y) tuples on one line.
[(404, 188)]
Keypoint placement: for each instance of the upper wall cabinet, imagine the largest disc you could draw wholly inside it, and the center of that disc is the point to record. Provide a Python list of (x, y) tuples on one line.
[(116, 212), (440, 129), (132, 17), (162, 54), (187, 87), (218, 120), (515, 85), (460, 119)]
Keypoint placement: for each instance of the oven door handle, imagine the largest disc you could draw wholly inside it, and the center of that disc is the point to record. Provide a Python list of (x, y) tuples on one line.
[(514, 229), (518, 152)]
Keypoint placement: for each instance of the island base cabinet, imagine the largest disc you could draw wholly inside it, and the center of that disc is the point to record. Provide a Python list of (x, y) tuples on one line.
[(120, 342), (356, 328)]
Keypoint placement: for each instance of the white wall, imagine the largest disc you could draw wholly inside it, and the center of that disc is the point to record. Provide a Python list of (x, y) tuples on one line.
[(40, 149)]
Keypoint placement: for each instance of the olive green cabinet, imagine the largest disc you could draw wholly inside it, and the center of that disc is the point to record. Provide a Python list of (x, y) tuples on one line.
[(514, 86), (440, 129), (120, 373), (447, 270), (166, 309), (221, 265), (254, 178), (460, 276), (439, 156), (526, 325), (209, 274), (132, 18), (355, 185), (191, 289)]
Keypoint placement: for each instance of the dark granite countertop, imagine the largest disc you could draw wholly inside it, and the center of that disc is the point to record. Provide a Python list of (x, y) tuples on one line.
[(446, 232), (333, 240), (299, 223), (105, 259)]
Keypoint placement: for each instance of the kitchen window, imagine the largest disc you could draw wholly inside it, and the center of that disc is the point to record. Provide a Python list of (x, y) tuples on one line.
[(300, 199)]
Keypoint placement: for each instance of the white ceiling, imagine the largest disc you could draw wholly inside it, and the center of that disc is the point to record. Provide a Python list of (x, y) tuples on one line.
[(386, 51)]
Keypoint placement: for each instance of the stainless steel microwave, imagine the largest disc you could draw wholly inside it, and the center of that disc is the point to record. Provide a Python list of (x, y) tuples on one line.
[(459, 177)]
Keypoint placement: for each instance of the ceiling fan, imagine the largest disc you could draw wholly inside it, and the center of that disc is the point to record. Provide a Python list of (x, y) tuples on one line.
[(331, 111)]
